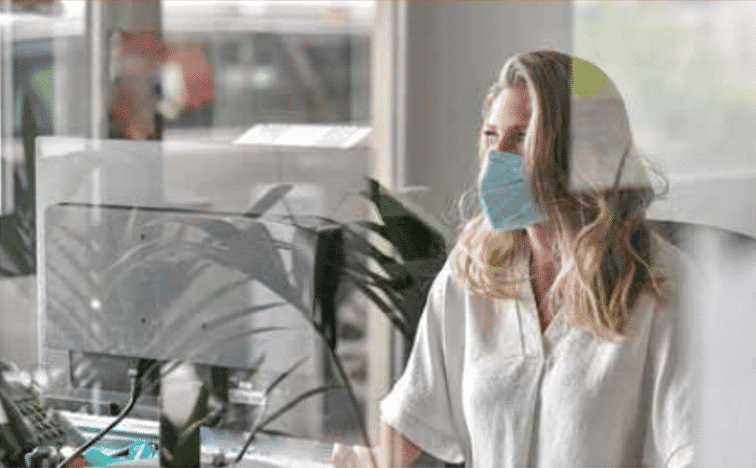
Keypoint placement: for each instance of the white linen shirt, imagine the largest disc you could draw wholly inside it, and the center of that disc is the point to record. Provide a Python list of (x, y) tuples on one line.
[(484, 386)]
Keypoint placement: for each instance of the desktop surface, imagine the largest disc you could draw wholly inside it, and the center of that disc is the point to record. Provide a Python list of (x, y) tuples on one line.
[(265, 451)]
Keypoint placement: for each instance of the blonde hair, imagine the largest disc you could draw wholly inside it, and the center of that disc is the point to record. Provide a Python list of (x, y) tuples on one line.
[(601, 239)]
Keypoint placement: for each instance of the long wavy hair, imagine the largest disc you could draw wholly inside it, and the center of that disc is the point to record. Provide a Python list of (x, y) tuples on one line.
[(589, 182)]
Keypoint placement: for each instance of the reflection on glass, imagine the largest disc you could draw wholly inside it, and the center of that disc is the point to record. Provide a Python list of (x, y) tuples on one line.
[(686, 71)]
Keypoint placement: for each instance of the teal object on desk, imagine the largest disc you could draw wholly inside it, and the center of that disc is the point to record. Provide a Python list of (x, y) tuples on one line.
[(139, 449)]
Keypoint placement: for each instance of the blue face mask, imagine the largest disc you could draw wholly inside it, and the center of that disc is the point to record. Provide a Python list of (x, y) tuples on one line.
[(505, 193)]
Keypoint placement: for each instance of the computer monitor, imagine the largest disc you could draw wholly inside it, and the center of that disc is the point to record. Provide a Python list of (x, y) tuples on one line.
[(151, 250)]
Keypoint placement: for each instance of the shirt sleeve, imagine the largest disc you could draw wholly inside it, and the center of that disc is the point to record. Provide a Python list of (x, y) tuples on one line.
[(670, 432), (424, 404)]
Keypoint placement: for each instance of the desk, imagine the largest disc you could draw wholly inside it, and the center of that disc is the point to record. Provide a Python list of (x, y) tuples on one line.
[(266, 452)]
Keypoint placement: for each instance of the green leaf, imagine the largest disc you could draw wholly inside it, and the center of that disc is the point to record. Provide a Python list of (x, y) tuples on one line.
[(425, 267), (268, 199), (411, 236), (17, 230), (209, 325), (285, 374), (398, 320)]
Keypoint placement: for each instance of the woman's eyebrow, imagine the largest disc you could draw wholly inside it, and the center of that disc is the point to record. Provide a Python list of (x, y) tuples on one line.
[(509, 130), (516, 129)]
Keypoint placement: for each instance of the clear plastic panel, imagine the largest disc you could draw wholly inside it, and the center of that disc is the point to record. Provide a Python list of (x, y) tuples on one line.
[(198, 253)]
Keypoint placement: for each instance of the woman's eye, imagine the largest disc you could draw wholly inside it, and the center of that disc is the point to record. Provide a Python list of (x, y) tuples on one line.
[(490, 137)]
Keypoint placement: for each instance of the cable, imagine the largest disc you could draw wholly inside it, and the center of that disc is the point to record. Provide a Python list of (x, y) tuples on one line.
[(136, 389)]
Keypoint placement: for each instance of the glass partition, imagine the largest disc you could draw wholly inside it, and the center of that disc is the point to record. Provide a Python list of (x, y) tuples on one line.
[(153, 253), (685, 71)]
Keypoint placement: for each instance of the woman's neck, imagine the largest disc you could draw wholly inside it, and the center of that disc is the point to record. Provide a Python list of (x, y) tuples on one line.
[(540, 240), (543, 268)]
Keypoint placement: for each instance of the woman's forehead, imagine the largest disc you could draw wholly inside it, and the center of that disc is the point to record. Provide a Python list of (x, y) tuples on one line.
[(510, 108)]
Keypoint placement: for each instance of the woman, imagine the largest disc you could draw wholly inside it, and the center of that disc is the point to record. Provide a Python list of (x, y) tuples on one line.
[(551, 337)]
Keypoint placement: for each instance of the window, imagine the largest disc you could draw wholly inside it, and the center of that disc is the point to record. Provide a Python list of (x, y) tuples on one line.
[(686, 71), (283, 62)]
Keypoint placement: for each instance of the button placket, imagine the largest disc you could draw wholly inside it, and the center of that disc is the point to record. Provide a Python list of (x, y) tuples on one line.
[(531, 328)]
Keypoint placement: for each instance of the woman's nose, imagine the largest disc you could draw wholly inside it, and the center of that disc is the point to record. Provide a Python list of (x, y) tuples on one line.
[(506, 144)]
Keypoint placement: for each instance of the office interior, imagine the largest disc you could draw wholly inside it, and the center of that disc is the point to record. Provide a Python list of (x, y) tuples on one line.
[(134, 125)]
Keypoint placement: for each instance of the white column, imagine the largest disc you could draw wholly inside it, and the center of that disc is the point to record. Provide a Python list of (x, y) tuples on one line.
[(388, 110)]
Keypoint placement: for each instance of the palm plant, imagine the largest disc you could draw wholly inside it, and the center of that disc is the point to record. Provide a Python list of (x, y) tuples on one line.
[(17, 229), (408, 255), (405, 275)]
